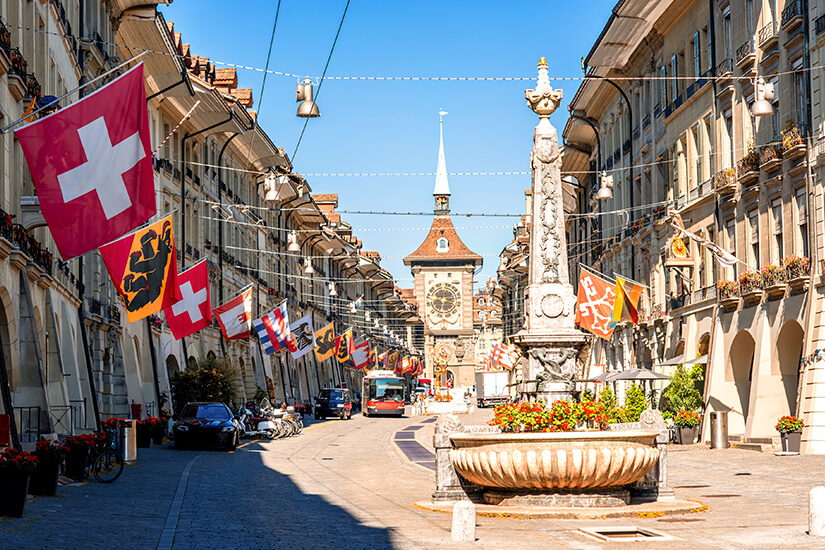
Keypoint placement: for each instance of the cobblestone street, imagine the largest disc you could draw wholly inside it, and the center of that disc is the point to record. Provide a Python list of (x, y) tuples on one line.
[(347, 484)]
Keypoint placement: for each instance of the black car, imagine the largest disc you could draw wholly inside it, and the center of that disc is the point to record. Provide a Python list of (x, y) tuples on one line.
[(333, 402), (211, 424)]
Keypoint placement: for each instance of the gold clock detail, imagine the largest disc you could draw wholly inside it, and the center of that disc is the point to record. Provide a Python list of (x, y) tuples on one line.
[(443, 300)]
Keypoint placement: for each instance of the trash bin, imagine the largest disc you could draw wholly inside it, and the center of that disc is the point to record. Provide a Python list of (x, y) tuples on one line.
[(719, 430), (127, 440)]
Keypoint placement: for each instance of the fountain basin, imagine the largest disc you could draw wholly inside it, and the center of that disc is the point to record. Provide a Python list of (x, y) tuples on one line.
[(556, 460)]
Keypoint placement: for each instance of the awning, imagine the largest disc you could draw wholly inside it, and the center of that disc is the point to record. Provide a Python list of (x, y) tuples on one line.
[(678, 360), (638, 374)]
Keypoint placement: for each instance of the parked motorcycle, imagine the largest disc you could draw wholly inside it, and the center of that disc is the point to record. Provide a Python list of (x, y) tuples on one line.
[(254, 423)]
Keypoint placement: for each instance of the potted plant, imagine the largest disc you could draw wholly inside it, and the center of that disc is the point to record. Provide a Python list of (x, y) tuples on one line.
[(78, 447), (49, 453), (790, 430), (686, 422), (144, 432), (16, 468), (728, 292), (797, 269), (773, 280), (750, 286)]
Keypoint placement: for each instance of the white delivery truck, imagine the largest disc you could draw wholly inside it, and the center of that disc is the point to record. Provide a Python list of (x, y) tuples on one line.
[(491, 387)]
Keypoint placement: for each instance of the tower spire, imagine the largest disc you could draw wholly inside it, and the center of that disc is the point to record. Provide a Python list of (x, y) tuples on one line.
[(442, 187)]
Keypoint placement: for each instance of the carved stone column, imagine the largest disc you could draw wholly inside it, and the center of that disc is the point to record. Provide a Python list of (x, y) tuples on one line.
[(550, 340)]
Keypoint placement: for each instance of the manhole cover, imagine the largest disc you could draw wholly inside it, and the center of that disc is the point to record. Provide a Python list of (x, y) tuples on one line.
[(690, 486), (720, 496), (628, 533)]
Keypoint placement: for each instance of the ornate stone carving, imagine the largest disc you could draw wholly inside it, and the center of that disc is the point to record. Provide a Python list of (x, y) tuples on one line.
[(552, 305), (543, 100), (554, 369)]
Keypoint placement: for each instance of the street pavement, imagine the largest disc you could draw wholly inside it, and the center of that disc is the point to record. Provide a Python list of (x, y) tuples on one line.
[(348, 485)]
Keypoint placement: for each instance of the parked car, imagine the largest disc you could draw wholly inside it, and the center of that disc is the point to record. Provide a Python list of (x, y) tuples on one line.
[(333, 402), (211, 424)]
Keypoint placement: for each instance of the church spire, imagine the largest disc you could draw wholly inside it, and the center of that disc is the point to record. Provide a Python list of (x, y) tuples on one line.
[(442, 188)]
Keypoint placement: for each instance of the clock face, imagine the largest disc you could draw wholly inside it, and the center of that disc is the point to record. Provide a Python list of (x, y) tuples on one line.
[(443, 300)]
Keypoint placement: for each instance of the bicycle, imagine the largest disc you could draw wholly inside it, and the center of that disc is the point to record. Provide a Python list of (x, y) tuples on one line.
[(105, 462)]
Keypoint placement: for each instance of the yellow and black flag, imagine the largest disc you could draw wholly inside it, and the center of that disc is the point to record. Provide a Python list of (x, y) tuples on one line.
[(142, 266), (343, 346), (325, 343)]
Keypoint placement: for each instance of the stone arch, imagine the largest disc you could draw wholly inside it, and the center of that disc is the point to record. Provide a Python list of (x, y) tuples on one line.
[(8, 333), (210, 354), (787, 353), (679, 349), (172, 365), (740, 361), (703, 345)]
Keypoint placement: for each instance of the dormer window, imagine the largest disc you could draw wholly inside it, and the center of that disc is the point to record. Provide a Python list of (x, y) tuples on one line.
[(442, 245)]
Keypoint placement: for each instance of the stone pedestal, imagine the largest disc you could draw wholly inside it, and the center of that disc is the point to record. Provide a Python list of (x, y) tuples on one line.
[(449, 486)]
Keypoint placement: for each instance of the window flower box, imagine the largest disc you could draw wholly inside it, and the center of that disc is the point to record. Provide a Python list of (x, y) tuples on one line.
[(728, 294)]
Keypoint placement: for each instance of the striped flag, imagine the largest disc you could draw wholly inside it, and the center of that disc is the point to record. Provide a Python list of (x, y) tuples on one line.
[(626, 306), (273, 330)]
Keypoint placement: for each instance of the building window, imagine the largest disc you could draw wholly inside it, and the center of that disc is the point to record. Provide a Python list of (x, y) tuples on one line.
[(663, 86), (709, 42), (776, 212), (775, 129), (726, 34), (729, 130), (799, 94), (697, 56), (442, 245), (753, 222), (674, 81), (802, 223)]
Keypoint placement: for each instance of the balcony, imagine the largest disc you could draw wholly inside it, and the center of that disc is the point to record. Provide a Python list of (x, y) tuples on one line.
[(768, 36), (33, 90), (770, 158), (793, 144), (820, 147), (17, 75), (725, 182), (745, 54), (747, 169), (723, 71), (792, 16)]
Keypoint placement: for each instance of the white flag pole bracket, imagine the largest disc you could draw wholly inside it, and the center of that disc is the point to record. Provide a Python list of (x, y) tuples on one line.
[(56, 101)]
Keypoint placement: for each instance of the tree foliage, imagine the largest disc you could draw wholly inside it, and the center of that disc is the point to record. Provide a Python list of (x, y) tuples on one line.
[(634, 403), (681, 394), (210, 379)]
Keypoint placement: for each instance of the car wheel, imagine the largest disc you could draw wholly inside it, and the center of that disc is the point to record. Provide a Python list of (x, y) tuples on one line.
[(179, 444), (317, 416)]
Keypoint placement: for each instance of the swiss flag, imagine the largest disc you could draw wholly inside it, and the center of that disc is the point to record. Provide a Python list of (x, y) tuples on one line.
[(92, 167), (193, 312), (235, 316)]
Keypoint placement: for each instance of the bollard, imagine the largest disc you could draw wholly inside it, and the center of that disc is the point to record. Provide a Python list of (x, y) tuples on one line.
[(816, 512), (464, 522)]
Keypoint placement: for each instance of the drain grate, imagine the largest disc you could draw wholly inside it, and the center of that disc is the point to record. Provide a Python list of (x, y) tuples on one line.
[(404, 435), (626, 533), (412, 428), (720, 496), (429, 420)]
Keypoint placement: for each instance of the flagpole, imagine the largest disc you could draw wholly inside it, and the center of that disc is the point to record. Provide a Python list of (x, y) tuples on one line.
[(54, 102)]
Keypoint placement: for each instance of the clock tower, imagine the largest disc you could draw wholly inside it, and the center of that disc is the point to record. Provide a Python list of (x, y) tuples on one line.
[(443, 269)]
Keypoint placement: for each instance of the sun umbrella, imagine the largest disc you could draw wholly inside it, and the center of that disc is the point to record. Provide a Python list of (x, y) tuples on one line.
[(637, 374), (603, 377)]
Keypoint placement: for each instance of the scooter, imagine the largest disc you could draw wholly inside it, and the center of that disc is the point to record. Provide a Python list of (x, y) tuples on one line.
[(253, 425)]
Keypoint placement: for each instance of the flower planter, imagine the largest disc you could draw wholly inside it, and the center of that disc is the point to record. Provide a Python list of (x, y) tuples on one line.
[(686, 435), (144, 438), (76, 465), (44, 479), (776, 290), (791, 441), (798, 283), (14, 486), (555, 460), (730, 303), (158, 434), (752, 297)]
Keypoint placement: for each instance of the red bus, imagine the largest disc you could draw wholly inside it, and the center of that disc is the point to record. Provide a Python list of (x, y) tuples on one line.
[(383, 393)]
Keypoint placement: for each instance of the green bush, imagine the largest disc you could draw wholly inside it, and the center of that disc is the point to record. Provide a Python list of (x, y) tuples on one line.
[(634, 403), (607, 397), (207, 379), (681, 394)]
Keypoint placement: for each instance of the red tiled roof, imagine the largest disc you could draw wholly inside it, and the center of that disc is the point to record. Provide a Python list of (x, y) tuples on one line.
[(326, 198), (226, 77), (443, 227), (244, 95)]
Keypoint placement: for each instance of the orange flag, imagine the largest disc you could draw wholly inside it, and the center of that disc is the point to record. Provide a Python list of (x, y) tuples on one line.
[(594, 304), (142, 266)]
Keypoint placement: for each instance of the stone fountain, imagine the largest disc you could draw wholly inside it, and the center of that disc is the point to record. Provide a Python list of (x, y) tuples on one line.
[(586, 469), (549, 341)]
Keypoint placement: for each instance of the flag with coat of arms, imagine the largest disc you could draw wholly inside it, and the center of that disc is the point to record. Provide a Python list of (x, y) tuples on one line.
[(235, 316)]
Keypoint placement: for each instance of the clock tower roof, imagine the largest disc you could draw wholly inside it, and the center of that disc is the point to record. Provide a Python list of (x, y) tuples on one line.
[(443, 245)]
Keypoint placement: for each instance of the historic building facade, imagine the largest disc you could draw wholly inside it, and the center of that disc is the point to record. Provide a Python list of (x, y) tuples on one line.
[(68, 357), (677, 135)]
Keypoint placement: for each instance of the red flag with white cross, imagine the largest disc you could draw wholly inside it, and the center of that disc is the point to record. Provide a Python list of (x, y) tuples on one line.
[(92, 167), (193, 312)]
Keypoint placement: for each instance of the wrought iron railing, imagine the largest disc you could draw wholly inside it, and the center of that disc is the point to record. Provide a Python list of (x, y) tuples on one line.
[(28, 423), (744, 50), (723, 68), (793, 9), (33, 89), (95, 307), (767, 32), (18, 63), (5, 38), (819, 25)]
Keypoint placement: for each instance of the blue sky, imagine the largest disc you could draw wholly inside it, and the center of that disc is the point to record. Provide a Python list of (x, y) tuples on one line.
[(369, 126)]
